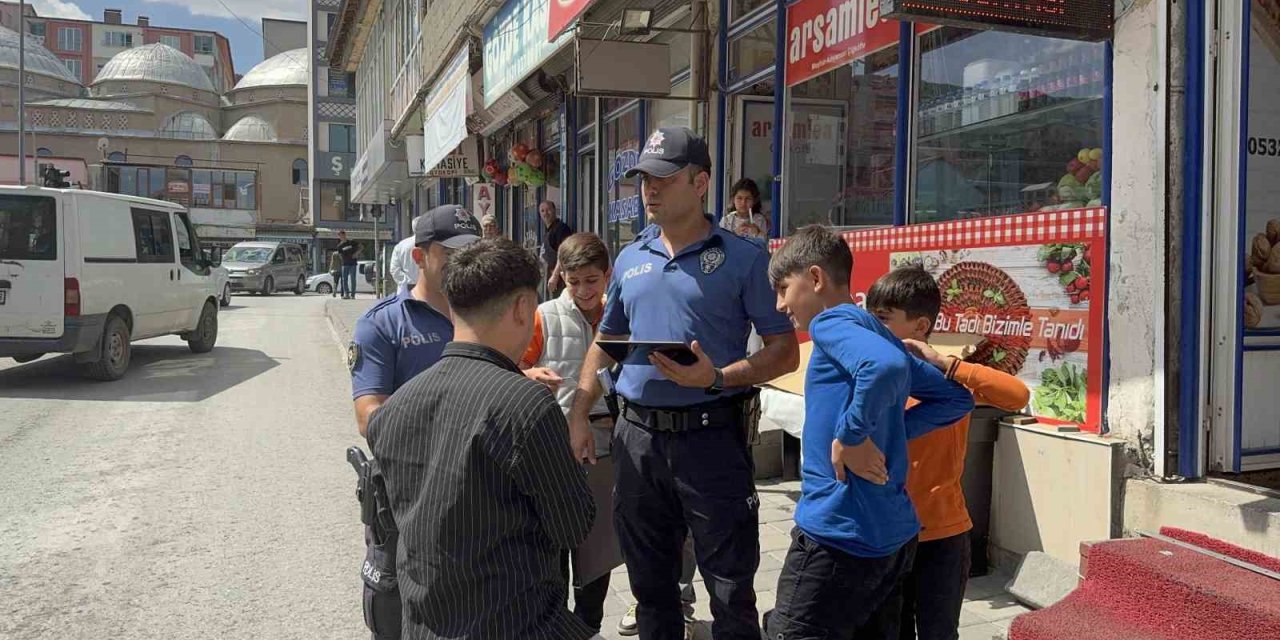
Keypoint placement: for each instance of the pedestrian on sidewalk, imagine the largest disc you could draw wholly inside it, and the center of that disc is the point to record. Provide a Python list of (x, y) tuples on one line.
[(680, 448), (483, 486), (335, 271), (855, 534), (907, 301), (403, 270), (398, 338), (350, 251), (555, 231), (563, 330)]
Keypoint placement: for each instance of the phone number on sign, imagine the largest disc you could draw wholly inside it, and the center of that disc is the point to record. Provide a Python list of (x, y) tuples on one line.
[(1264, 147)]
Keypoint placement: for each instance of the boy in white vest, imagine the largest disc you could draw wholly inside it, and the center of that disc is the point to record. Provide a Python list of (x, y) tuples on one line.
[(564, 329)]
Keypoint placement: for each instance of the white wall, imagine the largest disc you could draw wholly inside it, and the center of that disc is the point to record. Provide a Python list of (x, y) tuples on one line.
[(1137, 277)]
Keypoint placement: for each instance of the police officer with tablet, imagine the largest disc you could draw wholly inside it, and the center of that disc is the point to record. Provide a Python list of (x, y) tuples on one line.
[(680, 449)]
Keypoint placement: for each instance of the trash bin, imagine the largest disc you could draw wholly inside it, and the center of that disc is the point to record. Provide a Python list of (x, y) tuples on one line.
[(979, 458)]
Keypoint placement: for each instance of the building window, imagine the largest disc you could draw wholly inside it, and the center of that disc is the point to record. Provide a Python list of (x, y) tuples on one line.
[(44, 152), (341, 84), (752, 51), (204, 44), (182, 161), (342, 138), (299, 171), (172, 41), (335, 202), (69, 39), (73, 66), (117, 39), (329, 19), (36, 28), (1003, 131)]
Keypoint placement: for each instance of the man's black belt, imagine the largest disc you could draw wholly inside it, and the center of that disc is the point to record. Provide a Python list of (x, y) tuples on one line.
[(723, 413)]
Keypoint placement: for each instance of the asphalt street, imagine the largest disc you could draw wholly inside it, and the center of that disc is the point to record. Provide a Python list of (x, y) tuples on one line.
[(202, 496)]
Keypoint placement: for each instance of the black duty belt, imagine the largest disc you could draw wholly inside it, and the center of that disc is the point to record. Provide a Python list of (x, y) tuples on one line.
[(720, 414)]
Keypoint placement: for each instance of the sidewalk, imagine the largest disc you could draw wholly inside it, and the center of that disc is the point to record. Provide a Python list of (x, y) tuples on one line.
[(987, 613)]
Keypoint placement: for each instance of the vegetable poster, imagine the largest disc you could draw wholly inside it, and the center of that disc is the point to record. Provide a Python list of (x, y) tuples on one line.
[(1032, 284)]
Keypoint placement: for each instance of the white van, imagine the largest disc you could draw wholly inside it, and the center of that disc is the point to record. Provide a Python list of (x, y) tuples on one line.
[(87, 273)]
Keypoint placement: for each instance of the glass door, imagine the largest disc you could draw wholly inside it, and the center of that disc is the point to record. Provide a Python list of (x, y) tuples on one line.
[(1245, 223)]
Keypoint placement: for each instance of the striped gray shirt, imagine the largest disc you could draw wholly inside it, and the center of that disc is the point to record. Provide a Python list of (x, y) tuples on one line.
[(487, 497)]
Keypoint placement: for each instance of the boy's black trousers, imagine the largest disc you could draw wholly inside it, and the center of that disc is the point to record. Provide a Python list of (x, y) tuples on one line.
[(824, 592)]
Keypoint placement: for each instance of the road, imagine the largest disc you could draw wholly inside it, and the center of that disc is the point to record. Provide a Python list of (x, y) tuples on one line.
[(199, 497)]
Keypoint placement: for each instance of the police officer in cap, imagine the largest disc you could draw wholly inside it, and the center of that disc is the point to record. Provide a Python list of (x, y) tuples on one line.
[(398, 338), (680, 447)]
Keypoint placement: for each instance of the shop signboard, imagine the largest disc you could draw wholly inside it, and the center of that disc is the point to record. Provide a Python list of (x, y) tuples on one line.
[(333, 165), (462, 162), (1028, 283), (1074, 19), (515, 43), (446, 108), (561, 13), (482, 199), (628, 208), (826, 34)]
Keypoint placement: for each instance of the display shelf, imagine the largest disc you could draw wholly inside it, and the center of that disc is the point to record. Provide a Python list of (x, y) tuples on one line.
[(1019, 122)]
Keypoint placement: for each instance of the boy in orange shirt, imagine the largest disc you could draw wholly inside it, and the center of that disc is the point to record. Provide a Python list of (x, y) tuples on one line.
[(907, 301)]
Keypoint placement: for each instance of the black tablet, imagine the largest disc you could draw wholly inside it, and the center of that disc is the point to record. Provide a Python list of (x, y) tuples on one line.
[(625, 351)]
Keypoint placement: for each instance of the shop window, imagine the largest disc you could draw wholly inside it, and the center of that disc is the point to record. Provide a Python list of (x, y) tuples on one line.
[(840, 145), (1006, 124), (624, 210), (342, 138), (335, 202), (201, 188), (752, 51)]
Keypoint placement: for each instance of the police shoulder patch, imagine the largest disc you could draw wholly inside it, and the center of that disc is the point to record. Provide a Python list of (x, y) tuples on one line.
[(711, 259), (353, 356)]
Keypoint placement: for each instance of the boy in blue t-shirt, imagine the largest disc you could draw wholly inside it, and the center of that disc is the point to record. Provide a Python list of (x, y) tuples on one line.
[(855, 532)]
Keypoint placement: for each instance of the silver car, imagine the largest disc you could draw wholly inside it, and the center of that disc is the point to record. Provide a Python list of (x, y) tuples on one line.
[(266, 267)]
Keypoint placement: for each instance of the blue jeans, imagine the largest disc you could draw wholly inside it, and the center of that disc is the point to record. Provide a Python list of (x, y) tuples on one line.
[(347, 285)]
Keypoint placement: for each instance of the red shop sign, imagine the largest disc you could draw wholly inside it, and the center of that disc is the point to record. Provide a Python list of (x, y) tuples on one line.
[(827, 34), (560, 13), (1034, 285)]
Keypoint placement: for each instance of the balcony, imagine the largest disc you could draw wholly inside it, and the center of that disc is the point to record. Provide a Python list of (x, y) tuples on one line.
[(404, 91)]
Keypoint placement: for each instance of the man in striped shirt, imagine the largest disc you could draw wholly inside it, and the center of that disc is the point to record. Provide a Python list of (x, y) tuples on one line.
[(485, 491)]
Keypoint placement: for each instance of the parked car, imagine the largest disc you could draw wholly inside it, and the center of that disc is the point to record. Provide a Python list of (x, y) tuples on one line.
[(88, 273), (265, 267), (222, 279), (323, 282)]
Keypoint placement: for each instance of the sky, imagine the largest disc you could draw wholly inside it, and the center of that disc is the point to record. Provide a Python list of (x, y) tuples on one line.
[(212, 15)]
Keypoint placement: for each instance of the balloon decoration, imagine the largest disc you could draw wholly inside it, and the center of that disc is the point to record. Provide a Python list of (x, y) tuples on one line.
[(524, 167), (534, 159)]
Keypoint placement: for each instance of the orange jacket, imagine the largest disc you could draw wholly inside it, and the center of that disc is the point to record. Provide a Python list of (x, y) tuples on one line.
[(937, 458)]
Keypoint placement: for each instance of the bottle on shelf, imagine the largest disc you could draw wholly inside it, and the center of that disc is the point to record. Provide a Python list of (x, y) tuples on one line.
[(982, 102)]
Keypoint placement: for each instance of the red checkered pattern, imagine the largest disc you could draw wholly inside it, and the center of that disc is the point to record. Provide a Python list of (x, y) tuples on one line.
[(1024, 228)]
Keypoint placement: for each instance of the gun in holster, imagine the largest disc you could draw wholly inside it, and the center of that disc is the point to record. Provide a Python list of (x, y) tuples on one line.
[(381, 535), (751, 416), (605, 375)]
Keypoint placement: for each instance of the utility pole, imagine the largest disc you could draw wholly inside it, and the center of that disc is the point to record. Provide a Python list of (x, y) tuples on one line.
[(22, 92)]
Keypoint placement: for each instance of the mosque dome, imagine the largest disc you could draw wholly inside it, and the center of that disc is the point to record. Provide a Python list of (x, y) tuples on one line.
[(155, 63), (283, 69)]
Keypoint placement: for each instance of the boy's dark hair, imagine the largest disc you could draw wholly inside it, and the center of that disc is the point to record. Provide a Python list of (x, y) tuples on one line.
[(812, 246), (582, 250), (481, 278), (909, 288)]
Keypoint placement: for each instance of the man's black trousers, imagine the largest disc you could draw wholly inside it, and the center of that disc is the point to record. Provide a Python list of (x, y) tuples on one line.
[(702, 480)]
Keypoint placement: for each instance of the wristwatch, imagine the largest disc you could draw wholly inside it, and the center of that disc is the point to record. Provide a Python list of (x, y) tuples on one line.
[(717, 385)]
